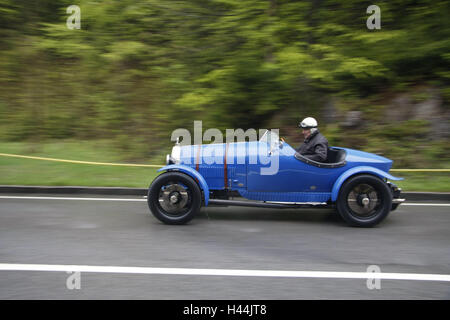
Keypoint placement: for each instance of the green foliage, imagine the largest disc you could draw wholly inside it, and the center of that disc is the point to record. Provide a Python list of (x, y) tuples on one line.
[(408, 130), (137, 69)]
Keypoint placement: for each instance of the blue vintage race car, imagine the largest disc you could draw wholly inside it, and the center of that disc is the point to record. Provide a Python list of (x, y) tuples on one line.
[(270, 173)]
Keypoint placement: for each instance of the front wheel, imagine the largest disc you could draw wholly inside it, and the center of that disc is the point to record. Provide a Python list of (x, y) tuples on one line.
[(174, 198), (364, 201)]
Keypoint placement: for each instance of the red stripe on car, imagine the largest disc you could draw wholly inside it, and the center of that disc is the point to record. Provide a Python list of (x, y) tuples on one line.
[(225, 168)]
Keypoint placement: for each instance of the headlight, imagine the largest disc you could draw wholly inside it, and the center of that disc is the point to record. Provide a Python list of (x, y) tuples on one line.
[(176, 154)]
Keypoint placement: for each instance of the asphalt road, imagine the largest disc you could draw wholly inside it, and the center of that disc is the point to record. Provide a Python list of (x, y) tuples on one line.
[(413, 239)]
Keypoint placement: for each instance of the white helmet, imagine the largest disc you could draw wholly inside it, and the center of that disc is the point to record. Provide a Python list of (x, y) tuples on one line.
[(308, 123)]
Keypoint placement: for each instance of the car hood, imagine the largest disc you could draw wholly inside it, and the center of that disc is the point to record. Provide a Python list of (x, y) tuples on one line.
[(366, 158)]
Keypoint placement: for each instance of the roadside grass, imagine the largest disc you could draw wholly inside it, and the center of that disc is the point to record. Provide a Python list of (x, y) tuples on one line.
[(16, 171), (423, 181)]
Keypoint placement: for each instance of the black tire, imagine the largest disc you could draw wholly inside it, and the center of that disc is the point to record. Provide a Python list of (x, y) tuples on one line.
[(364, 200), (182, 185)]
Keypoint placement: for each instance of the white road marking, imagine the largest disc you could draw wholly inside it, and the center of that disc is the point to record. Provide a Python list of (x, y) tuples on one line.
[(427, 204), (144, 199), (225, 272), (71, 198)]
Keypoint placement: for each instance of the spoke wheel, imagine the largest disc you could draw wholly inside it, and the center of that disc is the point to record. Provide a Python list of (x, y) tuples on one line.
[(174, 198), (364, 200)]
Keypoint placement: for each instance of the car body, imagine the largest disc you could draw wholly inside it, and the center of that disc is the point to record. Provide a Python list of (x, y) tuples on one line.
[(270, 173)]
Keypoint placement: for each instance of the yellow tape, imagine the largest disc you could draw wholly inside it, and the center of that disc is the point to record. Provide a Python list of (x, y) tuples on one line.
[(421, 170), (81, 162), (159, 166)]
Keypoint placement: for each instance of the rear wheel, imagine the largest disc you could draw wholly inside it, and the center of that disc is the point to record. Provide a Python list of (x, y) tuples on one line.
[(364, 201), (174, 198)]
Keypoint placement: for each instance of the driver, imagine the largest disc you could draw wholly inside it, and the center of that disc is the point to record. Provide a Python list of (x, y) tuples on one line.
[(315, 145)]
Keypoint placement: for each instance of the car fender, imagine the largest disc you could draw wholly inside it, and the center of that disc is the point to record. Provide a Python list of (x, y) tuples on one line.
[(357, 170), (193, 174)]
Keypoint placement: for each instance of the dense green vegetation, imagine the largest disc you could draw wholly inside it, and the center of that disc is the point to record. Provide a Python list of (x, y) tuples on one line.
[(137, 69)]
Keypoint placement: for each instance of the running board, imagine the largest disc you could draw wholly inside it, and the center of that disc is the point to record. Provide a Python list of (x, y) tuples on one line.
[(271, 204)]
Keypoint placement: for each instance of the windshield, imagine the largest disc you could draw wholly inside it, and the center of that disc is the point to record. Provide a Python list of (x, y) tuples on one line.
[(271, 138)]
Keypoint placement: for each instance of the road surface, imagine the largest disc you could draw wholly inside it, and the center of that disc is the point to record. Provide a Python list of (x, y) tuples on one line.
[(120, 232)]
